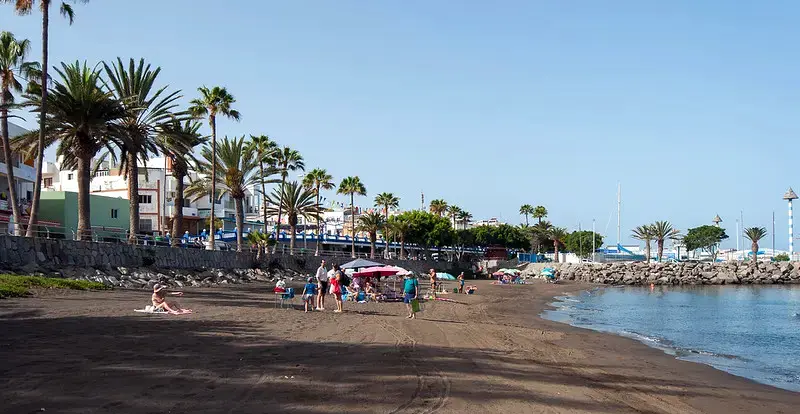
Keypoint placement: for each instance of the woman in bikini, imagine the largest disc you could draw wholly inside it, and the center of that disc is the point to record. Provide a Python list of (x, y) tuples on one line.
[(159, 300)]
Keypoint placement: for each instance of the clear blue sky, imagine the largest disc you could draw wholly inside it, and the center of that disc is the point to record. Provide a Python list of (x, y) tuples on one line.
[(691, 105)]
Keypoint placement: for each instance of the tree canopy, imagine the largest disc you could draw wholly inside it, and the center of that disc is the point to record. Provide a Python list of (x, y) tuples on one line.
[(706, 238), (580, 242)]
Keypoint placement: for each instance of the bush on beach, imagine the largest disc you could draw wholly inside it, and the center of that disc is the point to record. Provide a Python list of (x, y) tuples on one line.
[(16, 286)]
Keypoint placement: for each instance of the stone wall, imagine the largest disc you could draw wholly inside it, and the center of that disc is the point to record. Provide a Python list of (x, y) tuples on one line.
[(684, 273)]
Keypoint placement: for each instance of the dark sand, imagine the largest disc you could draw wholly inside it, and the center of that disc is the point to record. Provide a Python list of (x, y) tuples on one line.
[(88, 352)]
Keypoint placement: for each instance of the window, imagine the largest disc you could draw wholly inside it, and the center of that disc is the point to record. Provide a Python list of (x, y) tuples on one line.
[(48, 182), (145, 199), (114, 213), (69, 176), (28, 195), (145, 225)]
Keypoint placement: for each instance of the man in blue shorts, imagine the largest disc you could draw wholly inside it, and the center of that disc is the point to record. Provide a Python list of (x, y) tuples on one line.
[(410, 289)]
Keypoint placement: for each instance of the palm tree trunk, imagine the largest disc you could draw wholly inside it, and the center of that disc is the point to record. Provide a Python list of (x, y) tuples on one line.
[(352, 226), (7, 156), (754, 247), (37, 185), (280, 210), (555, 246), (526, 220), (386, 232), (213, 123), (660, 244), (133, 196), (263, 195), (292, 229), (177, 215), (372, 246), (239, 222), (84, 217), (319, 228), (402, 248), (647, 250)]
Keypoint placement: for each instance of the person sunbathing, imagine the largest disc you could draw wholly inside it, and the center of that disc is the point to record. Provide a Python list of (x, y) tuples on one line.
[(159, 300), (373, 293)]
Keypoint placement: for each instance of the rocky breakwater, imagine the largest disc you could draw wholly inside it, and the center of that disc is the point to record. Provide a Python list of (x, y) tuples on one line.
[(683, 273)]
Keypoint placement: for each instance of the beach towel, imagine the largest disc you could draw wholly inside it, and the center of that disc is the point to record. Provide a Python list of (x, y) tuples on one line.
[(150, 309)]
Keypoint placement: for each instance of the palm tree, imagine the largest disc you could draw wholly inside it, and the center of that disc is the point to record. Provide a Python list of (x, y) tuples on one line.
[(285, 160), (662, 231), (539, 232), (539, 213), (213, 102), (438, 207), (260, 240), (24, 7), (83, 117), (296, 201), (526, 210), (177, 141), (453, 211), (399, 227), (645, 234), (558, 235), (13, 53), (386, 201), (318, 179), (352, 186), (464, 218), (755, 234), (148, 109), (234, 174), (263, 148), (371, 223)]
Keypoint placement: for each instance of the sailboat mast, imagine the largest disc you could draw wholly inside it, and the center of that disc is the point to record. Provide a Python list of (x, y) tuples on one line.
[(619, 208)]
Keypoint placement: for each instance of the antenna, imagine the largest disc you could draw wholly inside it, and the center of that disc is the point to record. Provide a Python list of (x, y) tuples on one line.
[(619, 209)]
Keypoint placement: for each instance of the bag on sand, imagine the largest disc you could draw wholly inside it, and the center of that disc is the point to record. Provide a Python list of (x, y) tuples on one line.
[(415, 306)]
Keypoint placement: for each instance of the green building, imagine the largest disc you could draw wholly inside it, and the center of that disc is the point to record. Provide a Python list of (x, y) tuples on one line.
[(109, 216)]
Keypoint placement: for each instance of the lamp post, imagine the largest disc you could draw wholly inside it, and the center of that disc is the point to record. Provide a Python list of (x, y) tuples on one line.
[(789, 195), (717, 220)]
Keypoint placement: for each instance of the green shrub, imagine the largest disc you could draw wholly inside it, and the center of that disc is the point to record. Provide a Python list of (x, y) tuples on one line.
[(16, 286), (782, 257)]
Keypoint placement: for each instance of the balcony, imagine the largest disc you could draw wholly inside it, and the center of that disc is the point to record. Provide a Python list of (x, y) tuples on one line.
[(23, 172)]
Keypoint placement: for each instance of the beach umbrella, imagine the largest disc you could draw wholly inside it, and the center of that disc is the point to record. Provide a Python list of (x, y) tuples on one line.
[(360, 263), (498, 274), (445, 276), (378, 271), (509, 271)]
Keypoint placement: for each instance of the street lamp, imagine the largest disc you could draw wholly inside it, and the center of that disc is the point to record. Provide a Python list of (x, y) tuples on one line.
[(789, 195)]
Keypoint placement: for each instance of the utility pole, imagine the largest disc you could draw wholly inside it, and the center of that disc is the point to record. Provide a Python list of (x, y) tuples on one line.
[(594, 248), (619, 209), (773, 234)]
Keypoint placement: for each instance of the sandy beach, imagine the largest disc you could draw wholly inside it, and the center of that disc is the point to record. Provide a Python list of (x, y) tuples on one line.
[(88, 352)]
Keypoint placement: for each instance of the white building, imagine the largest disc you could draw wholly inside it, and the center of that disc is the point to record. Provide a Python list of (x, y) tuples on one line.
[(24, 177), (490, 222)]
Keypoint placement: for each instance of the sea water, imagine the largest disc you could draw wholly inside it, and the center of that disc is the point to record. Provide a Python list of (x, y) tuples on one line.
[(750, 331)]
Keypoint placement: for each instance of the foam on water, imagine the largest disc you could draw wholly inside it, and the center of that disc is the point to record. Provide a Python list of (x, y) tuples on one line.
[(748, 331)]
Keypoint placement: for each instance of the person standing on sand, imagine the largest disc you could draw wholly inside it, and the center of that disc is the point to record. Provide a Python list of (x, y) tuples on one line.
[(336, 287), (432, 274), (410, 290), (461, 283), (309, 290), (322, 281)]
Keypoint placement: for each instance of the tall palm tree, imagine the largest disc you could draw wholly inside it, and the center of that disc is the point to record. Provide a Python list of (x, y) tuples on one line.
[(539, 212), (539, 232), (464, 218), (400, 227), (662, 230), (645, 234), (13, 68), (177, 142), (24, 7), (526, 210), (285, 160), (558, 235), (296, 201), (318, 179), (352, 186), (263, 148), (386, 201), (755, 234), (213, 102), (234, 173), (438, 207), (83, 117), (453, 211), (148, 109), (371, 223)]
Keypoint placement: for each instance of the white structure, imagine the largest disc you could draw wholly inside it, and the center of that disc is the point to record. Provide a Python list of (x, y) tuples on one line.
[(789, 196), (24, 177), (490, 222)]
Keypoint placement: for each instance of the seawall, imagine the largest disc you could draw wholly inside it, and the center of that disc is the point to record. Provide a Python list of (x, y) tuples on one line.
[(683, 273)]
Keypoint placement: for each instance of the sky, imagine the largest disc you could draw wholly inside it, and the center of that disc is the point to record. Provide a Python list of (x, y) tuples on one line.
[(689, 106)]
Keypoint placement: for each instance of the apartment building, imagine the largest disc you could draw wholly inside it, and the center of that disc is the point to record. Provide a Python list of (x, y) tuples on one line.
[(24, 177)]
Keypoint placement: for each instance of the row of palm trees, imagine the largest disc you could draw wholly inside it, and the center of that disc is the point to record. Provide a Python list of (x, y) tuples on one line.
[(456, 214), (538, 212), (660, 232)]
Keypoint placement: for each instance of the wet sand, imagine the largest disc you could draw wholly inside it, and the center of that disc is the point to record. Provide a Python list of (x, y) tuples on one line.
[(88, 352)]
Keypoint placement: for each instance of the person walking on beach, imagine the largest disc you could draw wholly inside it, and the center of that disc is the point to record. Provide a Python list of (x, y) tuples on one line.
[(410, 290), (309, 290), (322, 281), (461, 283), (432, 274), (336, 287)]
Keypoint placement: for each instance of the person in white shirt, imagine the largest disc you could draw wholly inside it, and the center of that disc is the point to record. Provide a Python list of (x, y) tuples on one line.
[(322, 281)]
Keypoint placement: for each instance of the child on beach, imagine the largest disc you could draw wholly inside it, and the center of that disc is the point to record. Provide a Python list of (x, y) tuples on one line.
[(336, 287), (461, 283), (309, 290), (159, 300)]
